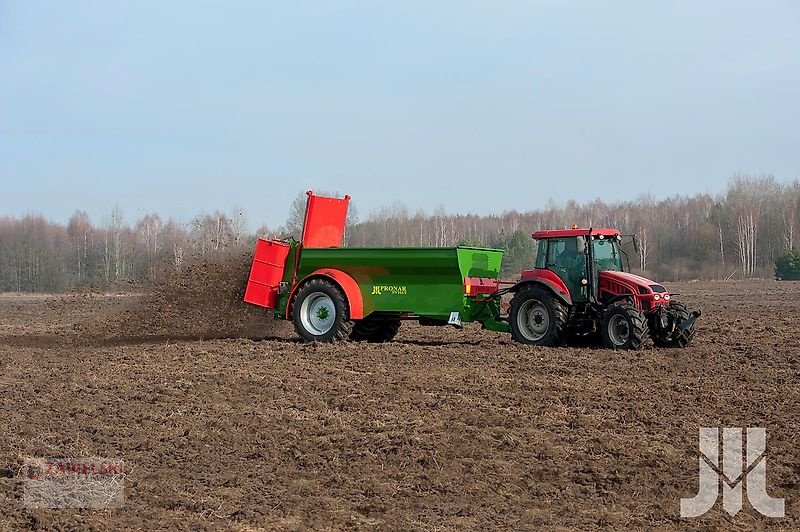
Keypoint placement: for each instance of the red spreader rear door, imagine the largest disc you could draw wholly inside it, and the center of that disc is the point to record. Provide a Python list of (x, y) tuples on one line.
[(266, 273), (324, 223)]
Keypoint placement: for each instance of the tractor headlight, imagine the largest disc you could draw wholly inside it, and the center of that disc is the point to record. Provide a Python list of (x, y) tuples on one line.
[(656, 297), (666, 297)]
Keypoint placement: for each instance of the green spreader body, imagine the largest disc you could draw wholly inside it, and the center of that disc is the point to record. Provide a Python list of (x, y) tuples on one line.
[(428, 283), (433, 285)]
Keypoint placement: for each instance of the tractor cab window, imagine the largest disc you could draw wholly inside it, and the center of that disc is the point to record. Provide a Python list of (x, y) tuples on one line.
[(541, 254), (567, 258), (606, 254), (563, 252), (555, 248)]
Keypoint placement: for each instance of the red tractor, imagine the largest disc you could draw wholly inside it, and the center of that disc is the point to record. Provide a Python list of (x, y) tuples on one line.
[(578, 287)]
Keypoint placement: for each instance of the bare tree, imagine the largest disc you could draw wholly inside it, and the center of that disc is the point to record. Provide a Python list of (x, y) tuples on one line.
[(149, 234), (789, 228), (297, 215), (745, 201), (79, 229), (115, 228), (746, 232), (644, 248), (238, 225), (177, 240)]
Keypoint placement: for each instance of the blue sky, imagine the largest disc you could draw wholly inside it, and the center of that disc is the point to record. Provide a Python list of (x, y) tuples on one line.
[(184, 107)]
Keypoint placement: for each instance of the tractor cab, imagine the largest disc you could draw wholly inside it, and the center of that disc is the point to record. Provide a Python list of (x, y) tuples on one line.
[(577, 256)]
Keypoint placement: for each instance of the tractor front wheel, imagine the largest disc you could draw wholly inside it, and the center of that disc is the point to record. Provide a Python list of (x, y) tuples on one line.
[(624, 326), (319, 312), (677, 313), (537, 317)]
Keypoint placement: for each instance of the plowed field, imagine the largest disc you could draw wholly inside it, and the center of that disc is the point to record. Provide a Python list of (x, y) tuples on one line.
[(225, 420)]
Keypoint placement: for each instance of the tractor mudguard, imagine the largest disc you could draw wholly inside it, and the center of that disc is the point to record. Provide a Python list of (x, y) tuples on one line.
[(349, 286), (565, 298)]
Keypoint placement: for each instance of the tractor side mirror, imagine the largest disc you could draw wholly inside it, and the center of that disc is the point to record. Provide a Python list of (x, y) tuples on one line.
[(580, 244), (637, 245)]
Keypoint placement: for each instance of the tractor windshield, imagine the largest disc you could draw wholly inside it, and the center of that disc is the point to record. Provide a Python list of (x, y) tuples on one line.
[(606, 254)]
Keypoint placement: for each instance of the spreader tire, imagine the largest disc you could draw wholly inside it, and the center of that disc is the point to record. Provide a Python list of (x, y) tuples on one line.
[(537, 317), (624, 326), (320, 313), (375, 331)]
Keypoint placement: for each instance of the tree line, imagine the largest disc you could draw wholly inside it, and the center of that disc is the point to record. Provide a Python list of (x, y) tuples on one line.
[(739, 233), (37, 255)]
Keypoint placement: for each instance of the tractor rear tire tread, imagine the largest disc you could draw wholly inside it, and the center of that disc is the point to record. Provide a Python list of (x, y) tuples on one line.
[(557, 333)]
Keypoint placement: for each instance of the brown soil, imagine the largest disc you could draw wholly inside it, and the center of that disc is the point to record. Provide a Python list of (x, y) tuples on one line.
[(440, 429)]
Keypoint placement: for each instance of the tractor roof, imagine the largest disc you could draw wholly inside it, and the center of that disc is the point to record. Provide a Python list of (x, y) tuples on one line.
[(566, 233)]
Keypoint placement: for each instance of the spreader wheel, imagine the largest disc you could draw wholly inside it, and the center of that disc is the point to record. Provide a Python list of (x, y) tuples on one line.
[(624, 326), (375, 331), (537, 317), (319, 312)]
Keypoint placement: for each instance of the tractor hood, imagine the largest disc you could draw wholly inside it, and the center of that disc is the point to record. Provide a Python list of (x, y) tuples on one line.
[(637, 283)]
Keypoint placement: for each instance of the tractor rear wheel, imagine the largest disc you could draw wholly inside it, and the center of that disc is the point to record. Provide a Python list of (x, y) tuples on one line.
[(320, 313), (375, 331), (624, 326), (537, 317), (678, 312)]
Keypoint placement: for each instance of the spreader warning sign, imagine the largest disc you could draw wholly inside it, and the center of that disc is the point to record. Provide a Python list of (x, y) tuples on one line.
[(379, 290)]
